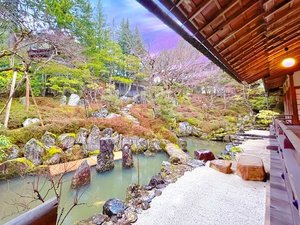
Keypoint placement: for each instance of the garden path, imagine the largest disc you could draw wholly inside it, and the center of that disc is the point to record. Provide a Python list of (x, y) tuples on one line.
[(126, 112)]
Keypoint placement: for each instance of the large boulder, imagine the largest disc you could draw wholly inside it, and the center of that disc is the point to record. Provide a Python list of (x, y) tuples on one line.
[(30, 121), (81, 136), (13, 152), (182, 144), (113, 207), (18, 166), (22, 100), (142, 144), (52, 156), (154, 145), (102, 113), (93, 140), (34, 151), (117, 139), (157, 181), (63, 100), (75, 153), (55, 159), (223, 166), (204, 155), (74, 100), (107, 132), (82, 175), (105, 160), (113, 115), (197, 132), (49, 139), (185, 129), (250, 167), (127, 158), (66, 141)]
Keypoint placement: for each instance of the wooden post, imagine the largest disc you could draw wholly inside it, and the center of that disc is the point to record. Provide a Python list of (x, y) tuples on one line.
[(295, 119), (27, 91), (12, 89)]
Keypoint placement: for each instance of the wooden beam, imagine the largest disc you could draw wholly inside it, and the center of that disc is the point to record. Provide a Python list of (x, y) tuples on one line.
[(283, 44), (245, 45), (177, 4), (256, 17), (244, 60), (232, 17), (198, 9), (283, 38), (282, 18), (220, 14), (278, 8), (256, 64), (245, 50), (284, 27), (252, 30)]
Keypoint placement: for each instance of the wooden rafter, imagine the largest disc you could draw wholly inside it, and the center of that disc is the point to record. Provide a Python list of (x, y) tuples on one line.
[(220, 14), (249, 33), (233, 17), (246, 25)]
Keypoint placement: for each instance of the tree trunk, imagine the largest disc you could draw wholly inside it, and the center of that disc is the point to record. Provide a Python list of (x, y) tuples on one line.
[(12, 89), (27, 91), (129, 88)]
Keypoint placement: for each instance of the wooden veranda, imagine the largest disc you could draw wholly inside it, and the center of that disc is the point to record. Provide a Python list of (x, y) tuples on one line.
[(250, 39)]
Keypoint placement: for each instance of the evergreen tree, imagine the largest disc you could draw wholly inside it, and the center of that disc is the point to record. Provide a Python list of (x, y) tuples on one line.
[(138, 47), (125, 37)]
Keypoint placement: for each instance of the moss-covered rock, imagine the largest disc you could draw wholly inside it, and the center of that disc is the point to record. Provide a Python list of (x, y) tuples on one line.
[(53, 156), (74, 153), (34, 151), (49, 139), (66, 141), (18, 166)]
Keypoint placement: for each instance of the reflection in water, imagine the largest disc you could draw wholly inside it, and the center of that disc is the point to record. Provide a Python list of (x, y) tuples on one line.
[(194, 144)]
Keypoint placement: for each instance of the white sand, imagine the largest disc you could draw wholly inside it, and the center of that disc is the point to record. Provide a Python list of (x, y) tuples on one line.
[(207, 197)]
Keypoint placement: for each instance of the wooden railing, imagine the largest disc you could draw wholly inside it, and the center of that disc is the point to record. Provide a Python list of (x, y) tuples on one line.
[(44, 214), (289, 151), (285, 119)]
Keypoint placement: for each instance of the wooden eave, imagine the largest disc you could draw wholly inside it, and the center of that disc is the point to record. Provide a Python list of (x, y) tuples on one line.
[(246, 37)]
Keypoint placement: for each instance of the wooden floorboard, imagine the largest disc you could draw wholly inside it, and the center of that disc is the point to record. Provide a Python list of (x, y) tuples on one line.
[(278, 210)]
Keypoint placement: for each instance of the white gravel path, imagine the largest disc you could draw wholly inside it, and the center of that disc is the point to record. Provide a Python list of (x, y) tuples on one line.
[(207, 197)]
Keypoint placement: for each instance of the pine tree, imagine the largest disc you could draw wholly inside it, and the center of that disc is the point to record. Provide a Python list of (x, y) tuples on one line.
[(138, 47), (125, 37)]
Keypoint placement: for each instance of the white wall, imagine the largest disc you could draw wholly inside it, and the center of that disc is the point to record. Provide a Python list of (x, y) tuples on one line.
[(296, 78)]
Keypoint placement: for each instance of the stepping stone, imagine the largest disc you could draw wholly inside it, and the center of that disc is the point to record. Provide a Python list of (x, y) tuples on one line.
[(223, 166), (251, 168)]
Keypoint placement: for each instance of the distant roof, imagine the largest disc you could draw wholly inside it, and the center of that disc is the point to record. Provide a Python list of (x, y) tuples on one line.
[(246, 38)]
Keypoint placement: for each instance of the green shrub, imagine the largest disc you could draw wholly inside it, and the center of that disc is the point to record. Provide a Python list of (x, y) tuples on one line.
[(4, 144), (111, 98), (264, 117), (236, 149)]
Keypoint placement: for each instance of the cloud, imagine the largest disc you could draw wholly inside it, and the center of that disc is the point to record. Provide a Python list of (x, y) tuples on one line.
[(154, 32)]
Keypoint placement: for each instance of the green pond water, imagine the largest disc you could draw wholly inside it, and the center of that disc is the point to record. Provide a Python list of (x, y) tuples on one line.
[(194, 144), (103, 186)]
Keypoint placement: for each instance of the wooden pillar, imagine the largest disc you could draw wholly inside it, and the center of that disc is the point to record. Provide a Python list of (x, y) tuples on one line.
[(295, 119)]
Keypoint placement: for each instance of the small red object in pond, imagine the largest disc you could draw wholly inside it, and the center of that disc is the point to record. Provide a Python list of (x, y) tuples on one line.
[(204, 155)]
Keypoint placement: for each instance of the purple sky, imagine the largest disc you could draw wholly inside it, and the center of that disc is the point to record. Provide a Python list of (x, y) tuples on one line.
[(157, 36)]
